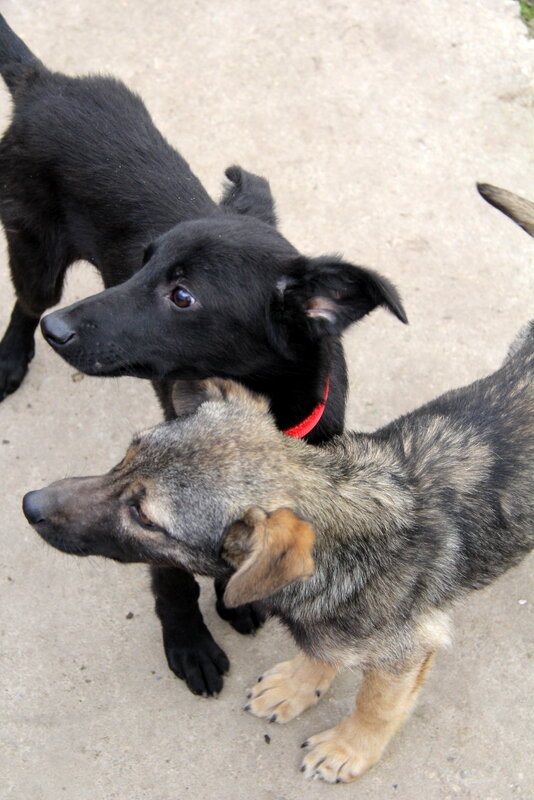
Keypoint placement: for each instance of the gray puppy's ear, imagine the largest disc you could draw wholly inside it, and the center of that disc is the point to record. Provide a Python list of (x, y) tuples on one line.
[(188, 396), (248, 194), (270, 551), (515, 207)]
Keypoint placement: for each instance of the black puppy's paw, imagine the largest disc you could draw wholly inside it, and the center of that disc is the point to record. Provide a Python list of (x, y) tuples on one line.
[(245, 619), (201, 665), (13, 368)]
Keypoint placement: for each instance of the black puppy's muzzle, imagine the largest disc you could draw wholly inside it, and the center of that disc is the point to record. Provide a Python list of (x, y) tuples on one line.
[(57, 332), (92, 343)]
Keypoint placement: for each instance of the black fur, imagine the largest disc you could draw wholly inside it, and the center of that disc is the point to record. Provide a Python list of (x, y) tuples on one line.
[(86, 175)]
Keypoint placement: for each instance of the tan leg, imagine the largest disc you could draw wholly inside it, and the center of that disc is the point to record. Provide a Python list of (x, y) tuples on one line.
[(289, 688), (343, 753)]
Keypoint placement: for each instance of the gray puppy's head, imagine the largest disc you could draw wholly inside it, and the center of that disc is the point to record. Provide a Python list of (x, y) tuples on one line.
[(185, 485)]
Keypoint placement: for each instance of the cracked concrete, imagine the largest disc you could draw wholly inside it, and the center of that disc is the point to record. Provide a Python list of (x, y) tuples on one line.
[(372, 121)]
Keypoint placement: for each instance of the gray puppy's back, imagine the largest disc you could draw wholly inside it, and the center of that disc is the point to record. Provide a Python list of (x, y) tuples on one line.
[(469, 457)]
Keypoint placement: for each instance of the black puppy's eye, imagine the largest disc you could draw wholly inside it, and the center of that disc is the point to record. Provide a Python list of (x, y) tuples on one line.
[(140, 517), (182, 298)]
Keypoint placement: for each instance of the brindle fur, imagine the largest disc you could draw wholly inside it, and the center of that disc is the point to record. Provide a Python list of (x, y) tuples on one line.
[(406, 521)]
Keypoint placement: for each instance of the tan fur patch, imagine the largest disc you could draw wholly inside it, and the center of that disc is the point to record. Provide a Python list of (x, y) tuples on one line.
[(129, 456), (187, 396), (434, 630), (231, 390), (157, 504), (271, 550), (289, 688), (343, 753)]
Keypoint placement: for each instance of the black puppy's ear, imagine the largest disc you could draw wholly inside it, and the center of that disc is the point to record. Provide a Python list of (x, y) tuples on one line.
[(248, 194), (188, 396), (333, 294)]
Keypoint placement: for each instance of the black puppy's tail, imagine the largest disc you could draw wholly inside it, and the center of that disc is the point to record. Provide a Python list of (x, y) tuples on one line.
[(15, 57)]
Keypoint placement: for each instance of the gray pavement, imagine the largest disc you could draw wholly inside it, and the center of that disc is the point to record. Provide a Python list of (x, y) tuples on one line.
[(372, 120)]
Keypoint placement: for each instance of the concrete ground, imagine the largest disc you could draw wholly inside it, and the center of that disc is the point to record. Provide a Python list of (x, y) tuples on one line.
[(373, 121)]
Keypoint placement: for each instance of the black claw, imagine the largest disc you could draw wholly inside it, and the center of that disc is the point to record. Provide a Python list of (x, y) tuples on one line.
[(260, 679), (249, 694), (305, 744), (303, 768), (247, 707), (318, 692), (273, 718)]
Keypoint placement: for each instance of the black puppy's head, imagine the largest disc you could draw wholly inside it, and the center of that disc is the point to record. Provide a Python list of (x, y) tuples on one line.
[(225, 295)]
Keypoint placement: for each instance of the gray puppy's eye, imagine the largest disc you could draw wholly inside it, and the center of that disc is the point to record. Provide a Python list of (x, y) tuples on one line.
[(182, 298), (141, 518)]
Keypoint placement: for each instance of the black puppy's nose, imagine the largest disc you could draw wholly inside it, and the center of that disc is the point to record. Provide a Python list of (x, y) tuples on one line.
[(56, 331), (33, 507)]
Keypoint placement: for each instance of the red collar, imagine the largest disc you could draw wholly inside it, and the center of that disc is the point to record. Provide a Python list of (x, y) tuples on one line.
[(303, 428)]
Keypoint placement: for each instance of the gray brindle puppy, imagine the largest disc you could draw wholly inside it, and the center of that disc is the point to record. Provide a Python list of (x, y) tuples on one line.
[(361, 546)]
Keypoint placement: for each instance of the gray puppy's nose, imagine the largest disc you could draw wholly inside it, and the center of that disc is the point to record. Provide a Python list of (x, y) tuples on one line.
[(34, 506), (56, 331)]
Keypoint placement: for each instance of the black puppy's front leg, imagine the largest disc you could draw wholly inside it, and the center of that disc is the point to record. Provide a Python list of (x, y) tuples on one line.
[(16, 350), (192, 653), (244, 619)]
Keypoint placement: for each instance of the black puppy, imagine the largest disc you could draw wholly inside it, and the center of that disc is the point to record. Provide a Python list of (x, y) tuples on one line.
[(86, 175)]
